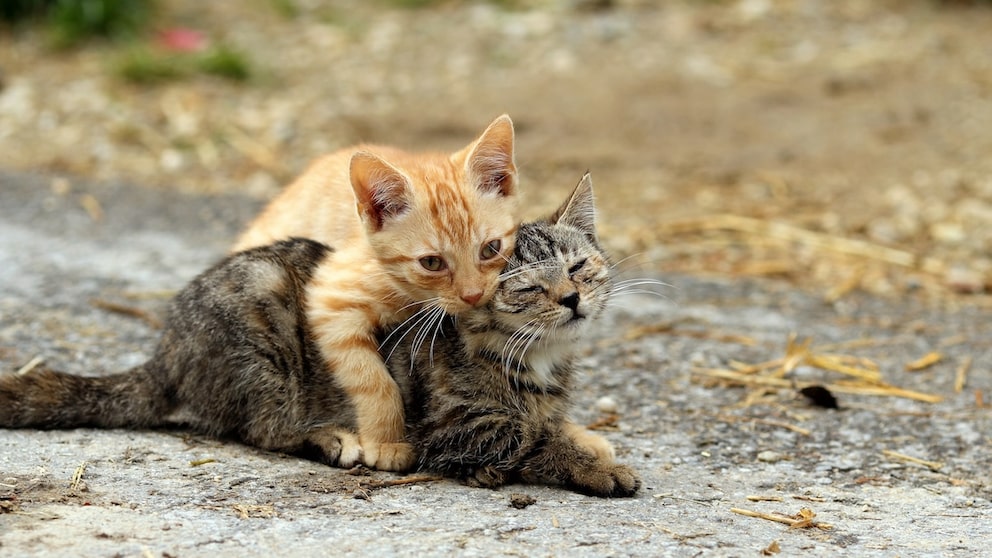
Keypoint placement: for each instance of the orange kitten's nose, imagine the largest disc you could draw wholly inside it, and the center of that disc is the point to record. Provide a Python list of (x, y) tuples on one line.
[(472, 298)]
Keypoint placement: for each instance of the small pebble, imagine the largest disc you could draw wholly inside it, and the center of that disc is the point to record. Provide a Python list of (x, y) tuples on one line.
[(521, 501), (606, 404), (964, 280), (361, 494), (769, 456)]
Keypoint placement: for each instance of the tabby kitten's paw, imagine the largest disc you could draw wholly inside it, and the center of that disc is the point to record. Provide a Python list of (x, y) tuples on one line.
[(606, 479), (351, 450), (599, 446), (593, 443), (389, 456), (333, 446)]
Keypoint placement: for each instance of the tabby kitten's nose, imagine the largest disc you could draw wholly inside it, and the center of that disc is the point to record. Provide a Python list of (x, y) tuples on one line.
[(472, 298), (570, 301)]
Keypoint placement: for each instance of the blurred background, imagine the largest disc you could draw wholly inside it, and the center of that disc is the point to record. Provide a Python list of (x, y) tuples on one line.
[(842, 145)]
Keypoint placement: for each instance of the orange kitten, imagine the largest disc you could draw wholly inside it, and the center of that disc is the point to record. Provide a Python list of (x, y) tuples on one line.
[(416, 234)]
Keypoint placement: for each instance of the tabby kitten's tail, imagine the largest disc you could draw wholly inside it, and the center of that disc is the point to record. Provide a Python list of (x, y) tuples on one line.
[(48, 399)]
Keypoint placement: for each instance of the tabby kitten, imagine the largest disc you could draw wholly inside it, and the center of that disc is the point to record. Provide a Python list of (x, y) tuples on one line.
[(486, 399), (413, 231)]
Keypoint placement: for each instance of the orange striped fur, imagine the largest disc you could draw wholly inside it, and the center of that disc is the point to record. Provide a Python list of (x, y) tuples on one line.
[(385, 210)]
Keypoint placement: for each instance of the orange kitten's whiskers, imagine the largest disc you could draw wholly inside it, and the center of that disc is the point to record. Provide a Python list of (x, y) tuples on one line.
[(404, 328), (437, 329), (434, 301), (431, 322)]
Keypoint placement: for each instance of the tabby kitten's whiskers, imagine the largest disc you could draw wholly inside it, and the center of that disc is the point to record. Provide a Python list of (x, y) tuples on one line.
[(633, 286), (518, 343)]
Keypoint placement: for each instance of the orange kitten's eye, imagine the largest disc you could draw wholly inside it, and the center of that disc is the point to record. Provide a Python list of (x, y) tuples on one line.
[(433, 263), (491, 250)]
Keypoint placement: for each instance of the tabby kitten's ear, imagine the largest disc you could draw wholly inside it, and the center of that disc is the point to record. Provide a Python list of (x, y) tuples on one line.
[(579, 210), (490, 159), (381, 191)]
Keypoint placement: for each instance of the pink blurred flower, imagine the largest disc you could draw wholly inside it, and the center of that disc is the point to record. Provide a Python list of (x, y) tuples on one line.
[(183, 39)]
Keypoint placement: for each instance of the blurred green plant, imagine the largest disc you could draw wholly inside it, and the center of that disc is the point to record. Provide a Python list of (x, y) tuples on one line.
[(72, 21), (415, 4), (285, 8), (75, 20), (225, 62), (143, 65)]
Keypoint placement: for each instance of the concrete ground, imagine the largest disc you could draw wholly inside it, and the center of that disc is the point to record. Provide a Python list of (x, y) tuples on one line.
[(85, 269)]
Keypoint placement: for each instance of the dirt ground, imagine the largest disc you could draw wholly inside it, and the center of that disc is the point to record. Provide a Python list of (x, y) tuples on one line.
[(789, 166), (859, 127)]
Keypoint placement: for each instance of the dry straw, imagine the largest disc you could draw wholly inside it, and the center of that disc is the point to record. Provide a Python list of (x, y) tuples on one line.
[(860, 376)]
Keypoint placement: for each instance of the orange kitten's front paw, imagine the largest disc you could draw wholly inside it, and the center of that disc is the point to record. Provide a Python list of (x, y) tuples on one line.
[(390, 456)]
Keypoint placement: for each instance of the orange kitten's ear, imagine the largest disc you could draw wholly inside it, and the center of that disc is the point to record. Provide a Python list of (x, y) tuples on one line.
[(490, 159), (381, 191), (579, 210)]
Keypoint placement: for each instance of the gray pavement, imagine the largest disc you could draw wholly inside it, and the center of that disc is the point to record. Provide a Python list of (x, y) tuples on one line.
[(68, 249)]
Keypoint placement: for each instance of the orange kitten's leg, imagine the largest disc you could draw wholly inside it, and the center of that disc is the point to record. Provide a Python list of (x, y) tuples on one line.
[(359, 370), (344, 309), (598, 445), (344, 334)]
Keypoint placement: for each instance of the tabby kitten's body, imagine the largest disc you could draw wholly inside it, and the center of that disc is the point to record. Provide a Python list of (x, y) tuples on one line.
[(486, 398), (413, 231)]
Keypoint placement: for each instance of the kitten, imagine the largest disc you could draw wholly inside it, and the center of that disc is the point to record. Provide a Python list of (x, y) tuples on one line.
[(486, 399), (413, 231)]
